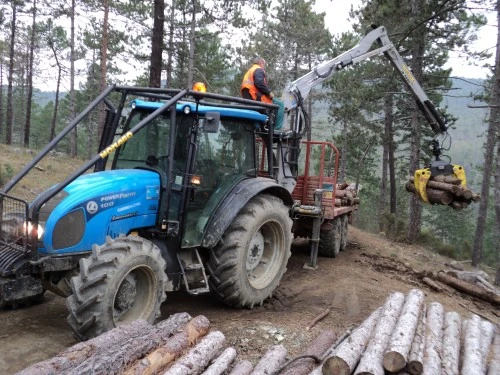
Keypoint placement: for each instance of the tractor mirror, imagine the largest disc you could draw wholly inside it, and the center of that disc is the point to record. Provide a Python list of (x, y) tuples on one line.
[(211, 122)]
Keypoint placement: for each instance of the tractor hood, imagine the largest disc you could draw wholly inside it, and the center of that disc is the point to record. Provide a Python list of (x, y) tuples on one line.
[(119, 200)]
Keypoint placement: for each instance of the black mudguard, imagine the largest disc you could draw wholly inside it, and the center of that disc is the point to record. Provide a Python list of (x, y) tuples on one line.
[(234, 202)]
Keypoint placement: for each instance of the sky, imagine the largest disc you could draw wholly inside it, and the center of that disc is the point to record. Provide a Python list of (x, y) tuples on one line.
[(336, 19)]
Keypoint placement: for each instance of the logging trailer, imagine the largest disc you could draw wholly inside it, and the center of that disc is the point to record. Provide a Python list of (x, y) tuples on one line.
[(188, 190)]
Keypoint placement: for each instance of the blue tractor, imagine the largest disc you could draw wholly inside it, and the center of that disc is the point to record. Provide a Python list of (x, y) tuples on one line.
[(183, 192)]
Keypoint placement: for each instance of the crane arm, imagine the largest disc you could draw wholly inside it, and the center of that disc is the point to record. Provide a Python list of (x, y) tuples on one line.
[(299, 89)]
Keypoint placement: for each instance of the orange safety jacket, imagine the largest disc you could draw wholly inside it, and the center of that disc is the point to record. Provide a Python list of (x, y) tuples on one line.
[(249, 84)]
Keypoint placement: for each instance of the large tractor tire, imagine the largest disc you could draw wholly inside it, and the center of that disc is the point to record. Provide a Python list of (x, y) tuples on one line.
[(329, 239), (344, 226), (122, 281), (249, 261)]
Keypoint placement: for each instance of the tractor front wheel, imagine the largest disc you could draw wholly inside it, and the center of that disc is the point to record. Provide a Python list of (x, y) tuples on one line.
[(122, 281), (249, 261)]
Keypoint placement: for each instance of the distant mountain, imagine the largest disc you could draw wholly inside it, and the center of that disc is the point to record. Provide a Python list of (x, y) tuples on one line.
[(42, 98)]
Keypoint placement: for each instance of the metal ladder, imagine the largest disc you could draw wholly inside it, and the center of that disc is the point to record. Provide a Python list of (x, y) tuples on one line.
[(193, 271)]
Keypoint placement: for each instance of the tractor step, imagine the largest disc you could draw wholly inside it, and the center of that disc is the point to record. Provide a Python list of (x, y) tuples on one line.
[(193, 271)]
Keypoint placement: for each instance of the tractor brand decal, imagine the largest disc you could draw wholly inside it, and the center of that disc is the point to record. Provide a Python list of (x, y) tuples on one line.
[(112, 197), (125, 216), (92, 207), (108, 150)]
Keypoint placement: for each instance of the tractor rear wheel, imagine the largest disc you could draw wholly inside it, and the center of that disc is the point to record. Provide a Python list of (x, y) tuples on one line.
[(122, 281), (249, 261), (329, 239)]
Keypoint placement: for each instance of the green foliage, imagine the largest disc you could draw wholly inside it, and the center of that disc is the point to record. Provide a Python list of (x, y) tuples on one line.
[(6, 173)]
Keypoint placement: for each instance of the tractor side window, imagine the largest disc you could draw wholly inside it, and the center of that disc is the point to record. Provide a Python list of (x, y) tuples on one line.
[(222, 160)]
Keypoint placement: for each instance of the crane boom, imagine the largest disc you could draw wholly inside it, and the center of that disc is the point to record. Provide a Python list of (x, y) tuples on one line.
[(298, 90)]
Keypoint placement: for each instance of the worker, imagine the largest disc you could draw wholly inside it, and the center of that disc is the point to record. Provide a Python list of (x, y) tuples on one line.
[(255, 87)]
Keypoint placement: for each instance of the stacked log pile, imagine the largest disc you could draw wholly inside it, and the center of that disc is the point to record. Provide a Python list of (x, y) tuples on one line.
[(446, 190), (346, 195), (406, 336)]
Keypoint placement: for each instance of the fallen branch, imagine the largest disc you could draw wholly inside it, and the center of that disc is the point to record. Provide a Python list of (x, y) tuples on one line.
[(318, 318), (470, 289)]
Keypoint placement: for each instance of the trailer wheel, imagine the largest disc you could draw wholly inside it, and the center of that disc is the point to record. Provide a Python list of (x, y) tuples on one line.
[(122, 281), (344, 226), (329, 239), (249, 261)]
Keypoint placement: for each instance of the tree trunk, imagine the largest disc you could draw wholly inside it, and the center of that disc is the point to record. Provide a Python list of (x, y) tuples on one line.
[(10, 77), (157, 44), (491, 138), (433, 339), (172, 349), (242, 367), (451, 343), (494, 363), (170, 51), (271, 361), (118, 347), (472, 356), (416, 356), (195, 361), (488, 331), (396, 354), (371, 361), (72, 110), (104, 65), (349, 352), (192, 34), (29, 80), (470, 289), (389, 133), (221, 363), (318, 348)]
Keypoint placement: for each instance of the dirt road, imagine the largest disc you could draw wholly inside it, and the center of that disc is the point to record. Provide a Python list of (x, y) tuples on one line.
[(351, 285)]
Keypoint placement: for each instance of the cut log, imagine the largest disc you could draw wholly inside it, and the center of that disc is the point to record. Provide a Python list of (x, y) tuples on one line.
[(451, 343), (447, 179), (433, 339), (469, 276), (107, 350), (371, 360), (220, 365), (415, 364), (488, 331), (172, 349), (472, 360), (432, 284), (398, 348), (196, 359), (470, 289), (271, 361), (318, 348), (350, 350), (494, 363), (433, 195), (488, 285), (242, 367)]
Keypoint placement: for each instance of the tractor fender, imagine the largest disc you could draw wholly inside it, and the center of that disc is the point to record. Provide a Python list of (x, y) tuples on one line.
[(238, 197)]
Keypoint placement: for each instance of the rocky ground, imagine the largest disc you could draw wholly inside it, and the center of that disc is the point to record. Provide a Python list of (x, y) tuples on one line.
[(350, 287)]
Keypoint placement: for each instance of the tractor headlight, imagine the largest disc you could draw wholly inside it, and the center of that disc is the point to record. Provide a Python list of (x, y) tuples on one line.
[(28, 226)]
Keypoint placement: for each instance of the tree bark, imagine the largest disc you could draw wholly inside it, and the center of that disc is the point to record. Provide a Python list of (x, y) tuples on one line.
[(494, 363), (398, 348), (29, 78), (172, 349), (221, 363), (350, 350), (272, 360), (472, 359), (416, 356), (371, 360), (432, 284), (128, 339), (488, 331), (433, 339), (470, 289), (451, 343), (195, 361), (157, 44), (318, 348), (10, 77), (242, 367)]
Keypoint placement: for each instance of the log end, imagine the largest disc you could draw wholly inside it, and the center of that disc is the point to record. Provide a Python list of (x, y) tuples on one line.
[(415, 367), (394, 361), (336, 366)]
